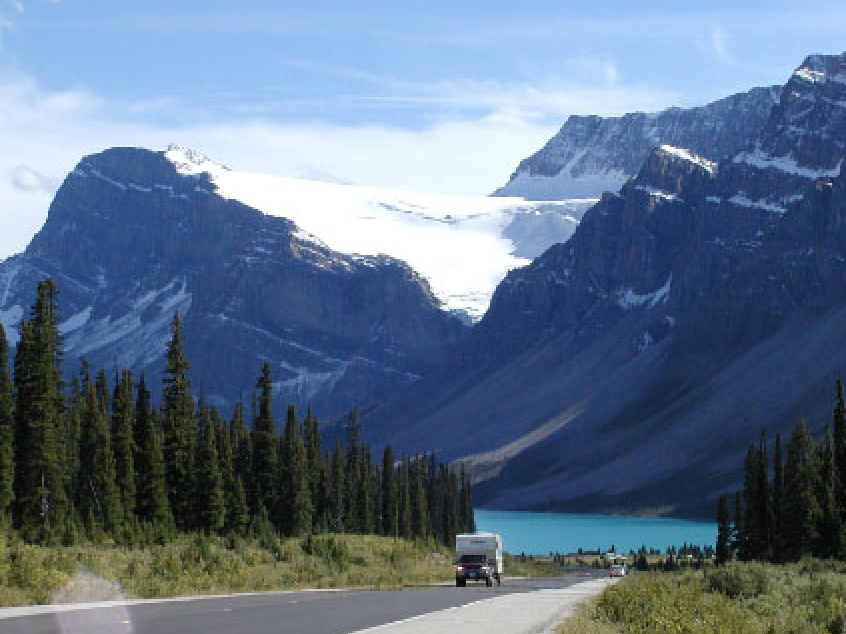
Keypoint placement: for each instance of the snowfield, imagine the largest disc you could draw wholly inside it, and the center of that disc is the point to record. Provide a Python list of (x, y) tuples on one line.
[(463, 245)]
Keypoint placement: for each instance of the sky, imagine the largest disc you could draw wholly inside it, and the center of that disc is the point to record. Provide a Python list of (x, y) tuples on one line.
[(430, 96)]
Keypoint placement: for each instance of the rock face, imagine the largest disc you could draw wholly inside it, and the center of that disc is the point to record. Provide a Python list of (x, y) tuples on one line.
[(590, 155), (130, 239), (629, 368)]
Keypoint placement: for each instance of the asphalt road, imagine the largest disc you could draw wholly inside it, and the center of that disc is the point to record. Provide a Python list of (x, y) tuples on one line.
[(339, 612)]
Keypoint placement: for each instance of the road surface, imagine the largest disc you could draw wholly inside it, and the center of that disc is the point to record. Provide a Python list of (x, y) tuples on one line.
[(429, 609)]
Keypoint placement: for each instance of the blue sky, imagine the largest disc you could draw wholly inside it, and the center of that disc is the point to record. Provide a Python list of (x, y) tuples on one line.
[(438, 96)]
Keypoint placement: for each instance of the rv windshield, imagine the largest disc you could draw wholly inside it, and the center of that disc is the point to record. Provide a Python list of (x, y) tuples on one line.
[(472, 559)]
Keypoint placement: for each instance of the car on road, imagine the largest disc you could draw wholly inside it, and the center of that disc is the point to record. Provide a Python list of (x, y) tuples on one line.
[(617, 570), (478, 558)]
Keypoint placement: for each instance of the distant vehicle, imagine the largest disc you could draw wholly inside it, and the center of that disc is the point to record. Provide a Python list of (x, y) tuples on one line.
[(478, 557), (617, 570)]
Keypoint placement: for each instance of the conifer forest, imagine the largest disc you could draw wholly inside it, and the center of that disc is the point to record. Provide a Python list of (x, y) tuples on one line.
[(88, 456), (793, 505)]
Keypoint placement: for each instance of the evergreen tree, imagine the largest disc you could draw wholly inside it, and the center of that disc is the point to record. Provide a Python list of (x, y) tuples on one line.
[(723, 547), (419, 503), (467, 519), (801, 506), (405, 520), (265, 460), (763, 505), (211, 508), (123, 442), (352, 495), (152, 504), (750, 537), (338, 507), (737, 529), (778, 501), (40, 495), (7, 429), (180, 431), (99, 499), (242, 451), (297, 487), (390, 519), (314, 461), (830, 536), (839, 432), (237, 513)]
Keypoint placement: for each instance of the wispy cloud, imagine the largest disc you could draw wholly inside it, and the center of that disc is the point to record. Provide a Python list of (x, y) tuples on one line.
[(719, 40)]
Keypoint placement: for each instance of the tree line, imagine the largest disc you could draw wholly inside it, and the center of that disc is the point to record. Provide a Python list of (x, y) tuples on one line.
[(791, 506), (88, 459)]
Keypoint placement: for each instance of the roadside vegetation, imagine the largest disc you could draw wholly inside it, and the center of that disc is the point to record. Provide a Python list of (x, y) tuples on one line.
[(202, 564), (807, 597)]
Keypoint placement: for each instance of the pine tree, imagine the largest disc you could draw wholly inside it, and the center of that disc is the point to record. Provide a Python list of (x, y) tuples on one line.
[(352, 495), (338, 506), (242, 451), (180, 431), (751, 535), (314, 460), (405, 520), (830, 534), (763, 508), (390, 519), (152, 504), (839, 432), (7, 429), (99, 498), (211, 508), (419, 503), (40, 495), (737, 529), (265, 460), (123, 442), (801, 506), (297, 487), (723, 546), (467, 519), (237, 514), (778, 501)]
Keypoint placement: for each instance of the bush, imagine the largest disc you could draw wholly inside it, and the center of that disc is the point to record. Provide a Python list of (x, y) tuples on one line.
[(740, 580)]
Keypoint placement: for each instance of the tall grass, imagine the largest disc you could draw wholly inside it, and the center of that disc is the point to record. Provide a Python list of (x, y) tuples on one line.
[(194, 564), (743, 598)]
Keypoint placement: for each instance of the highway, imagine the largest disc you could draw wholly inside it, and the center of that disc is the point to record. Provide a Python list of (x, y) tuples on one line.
[(296, 612)]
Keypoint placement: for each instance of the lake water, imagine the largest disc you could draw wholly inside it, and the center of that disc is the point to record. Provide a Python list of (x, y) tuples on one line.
[(542, 533)]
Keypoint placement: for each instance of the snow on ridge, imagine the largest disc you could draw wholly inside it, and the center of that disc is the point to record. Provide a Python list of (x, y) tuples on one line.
[(687, 155), (786, 164), (628, 299), (743, 201), (811, 75), (189, 162), (658, 193)]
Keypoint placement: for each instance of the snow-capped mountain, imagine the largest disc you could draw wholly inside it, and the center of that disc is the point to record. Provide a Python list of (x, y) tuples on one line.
[(628, 369), (590, 155), (462, 245), (312, 277)]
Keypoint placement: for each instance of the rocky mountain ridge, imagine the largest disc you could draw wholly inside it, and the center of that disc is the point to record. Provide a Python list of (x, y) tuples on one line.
[(590, 155), (627, 369), (133, 236)]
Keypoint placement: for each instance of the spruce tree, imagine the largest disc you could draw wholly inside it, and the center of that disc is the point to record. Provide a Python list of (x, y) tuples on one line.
[(801, 506), (242, 451), (99, 499), (778, 501), (7, 429), (390, 519), (211, 507), (763, 509), (467, 519), (750, 538), (265, 460), (405, 520), (419, 503), (39, 483), (237, 514), (297, 487), (152, 504), (352, 495), (180, 431), (123, 442), (839, 440), (723, 546), (830, 535), (737, 526), (338, 490), (314, 461)]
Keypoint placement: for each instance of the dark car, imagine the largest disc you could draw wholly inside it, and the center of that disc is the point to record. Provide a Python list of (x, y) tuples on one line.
[(475, 567)]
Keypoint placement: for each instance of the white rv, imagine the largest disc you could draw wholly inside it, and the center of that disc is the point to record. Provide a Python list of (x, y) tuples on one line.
[(478, 556)]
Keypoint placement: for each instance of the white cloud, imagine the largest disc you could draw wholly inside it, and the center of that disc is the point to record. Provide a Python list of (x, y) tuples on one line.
[(719, 39)]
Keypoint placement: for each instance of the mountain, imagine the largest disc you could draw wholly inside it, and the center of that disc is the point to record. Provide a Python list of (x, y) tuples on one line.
[(133, 236), (628, 369), (590, 155)]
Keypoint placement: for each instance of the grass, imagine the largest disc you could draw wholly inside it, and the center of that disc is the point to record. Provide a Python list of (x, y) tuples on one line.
[(808, 597), (201, 564)]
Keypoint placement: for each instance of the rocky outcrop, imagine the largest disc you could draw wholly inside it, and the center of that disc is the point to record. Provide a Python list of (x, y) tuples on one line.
[(627, 369), (130, 239), (590, 155)]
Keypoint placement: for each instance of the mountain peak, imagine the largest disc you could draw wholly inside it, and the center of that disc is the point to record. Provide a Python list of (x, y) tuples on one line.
[(821, 69), (190, 162)]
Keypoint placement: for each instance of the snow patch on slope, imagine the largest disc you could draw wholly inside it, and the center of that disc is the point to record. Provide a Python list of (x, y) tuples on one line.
[(627, 299), (457, 243), (786, 164), (687, 155), (11, 319)]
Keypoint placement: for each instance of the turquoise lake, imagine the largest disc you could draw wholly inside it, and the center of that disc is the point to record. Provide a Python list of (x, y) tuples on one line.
[(542, 533)]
